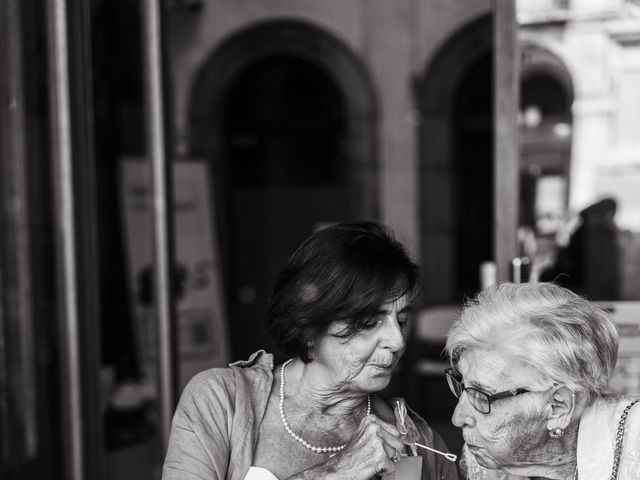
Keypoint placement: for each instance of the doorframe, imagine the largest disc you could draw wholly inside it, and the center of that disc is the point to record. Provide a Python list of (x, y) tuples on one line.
[(496, 31), (506, 176), (436, 90)]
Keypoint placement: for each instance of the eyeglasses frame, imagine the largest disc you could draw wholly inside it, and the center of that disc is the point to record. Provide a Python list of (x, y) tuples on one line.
[(512, 392)]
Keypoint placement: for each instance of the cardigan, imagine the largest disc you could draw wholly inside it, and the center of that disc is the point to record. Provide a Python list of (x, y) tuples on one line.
[(216, 423)]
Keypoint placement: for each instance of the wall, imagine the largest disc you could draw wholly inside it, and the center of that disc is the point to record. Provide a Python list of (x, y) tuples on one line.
[(395, 40)]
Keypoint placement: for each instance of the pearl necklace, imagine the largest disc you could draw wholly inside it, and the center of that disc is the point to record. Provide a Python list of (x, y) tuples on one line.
[(292, 433)]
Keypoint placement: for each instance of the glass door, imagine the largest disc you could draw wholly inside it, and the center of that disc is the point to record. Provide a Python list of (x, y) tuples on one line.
[(48, 385), (75, 399), (579, 150)]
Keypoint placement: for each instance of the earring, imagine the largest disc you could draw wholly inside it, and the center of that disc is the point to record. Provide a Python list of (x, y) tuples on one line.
[(556, 432)]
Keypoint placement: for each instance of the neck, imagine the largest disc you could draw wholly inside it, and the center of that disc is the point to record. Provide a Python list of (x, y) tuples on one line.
[(555, 461), (309, 389)]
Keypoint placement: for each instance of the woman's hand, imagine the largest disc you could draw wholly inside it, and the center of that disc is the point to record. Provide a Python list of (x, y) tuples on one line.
[(368, 453)]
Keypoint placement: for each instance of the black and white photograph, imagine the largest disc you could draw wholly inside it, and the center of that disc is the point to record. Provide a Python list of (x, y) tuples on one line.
[(320, 239)]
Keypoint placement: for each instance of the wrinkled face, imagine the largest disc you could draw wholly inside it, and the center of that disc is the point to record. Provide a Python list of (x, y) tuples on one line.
[(515, 431), (365, 361)]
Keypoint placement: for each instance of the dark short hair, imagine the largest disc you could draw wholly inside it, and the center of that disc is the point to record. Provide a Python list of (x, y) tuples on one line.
[(344, 272)]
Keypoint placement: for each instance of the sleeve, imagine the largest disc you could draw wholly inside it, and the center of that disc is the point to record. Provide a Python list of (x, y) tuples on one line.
[(199, 440), (434, 466), (630, 461), (447, 469)]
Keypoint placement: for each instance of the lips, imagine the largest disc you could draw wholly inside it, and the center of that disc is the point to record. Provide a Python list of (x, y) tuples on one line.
[(383, 366), (468, 442), (471, 446)]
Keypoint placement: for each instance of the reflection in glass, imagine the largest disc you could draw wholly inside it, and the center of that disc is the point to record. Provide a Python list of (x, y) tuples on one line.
[(579, 145), (18, 424)]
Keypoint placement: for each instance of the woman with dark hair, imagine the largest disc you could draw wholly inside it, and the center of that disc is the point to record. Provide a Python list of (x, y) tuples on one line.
[(340, 310)]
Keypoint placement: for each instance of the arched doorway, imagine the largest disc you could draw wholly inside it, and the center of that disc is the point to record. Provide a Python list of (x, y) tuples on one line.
[(285, 114), (546, 100), (456, 164)]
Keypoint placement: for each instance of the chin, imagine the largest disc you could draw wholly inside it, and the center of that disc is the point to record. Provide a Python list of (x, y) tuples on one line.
[(485, 462), (377, 383)]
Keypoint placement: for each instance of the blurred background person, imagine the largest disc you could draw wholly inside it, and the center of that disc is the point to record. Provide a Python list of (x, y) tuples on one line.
[(590, 263)]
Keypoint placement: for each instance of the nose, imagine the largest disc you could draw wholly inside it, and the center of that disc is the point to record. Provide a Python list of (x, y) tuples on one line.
[(463, 415), (392, 336)]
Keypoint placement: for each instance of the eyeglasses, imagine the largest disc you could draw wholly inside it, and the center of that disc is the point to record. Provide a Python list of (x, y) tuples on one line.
[(480, 400)]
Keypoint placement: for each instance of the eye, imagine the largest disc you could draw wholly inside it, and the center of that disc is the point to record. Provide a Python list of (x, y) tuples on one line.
[(404, 318), (372, 322)]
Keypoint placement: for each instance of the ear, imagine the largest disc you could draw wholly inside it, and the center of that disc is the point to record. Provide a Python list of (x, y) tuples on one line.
[(311, 349), (561, 407)]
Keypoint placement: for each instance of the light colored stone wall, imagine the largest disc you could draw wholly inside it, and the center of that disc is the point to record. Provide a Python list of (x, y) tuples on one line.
[(584, 52), (601, 50)]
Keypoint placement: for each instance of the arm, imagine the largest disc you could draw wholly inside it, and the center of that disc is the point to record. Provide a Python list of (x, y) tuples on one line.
[(199, 441)]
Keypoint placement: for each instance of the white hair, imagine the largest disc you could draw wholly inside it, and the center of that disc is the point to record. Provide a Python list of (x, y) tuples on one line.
[(566, 338)]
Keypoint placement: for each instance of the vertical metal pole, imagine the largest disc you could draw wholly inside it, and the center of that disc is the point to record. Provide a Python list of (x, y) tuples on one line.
[(62, 154), (506, 157), (162, 198)]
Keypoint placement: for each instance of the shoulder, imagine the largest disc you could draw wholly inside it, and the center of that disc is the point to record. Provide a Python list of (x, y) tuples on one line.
[(598, 432), (630, 462), (259, 360), (220, 385), (610, 408)]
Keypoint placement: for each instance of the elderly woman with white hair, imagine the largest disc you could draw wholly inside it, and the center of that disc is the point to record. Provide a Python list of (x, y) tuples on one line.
[(530, 367)]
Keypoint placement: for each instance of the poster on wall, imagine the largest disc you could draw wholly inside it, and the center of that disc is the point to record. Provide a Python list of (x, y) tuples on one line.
[(202, 331)]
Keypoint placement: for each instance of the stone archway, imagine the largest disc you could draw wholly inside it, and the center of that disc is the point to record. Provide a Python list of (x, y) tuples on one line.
[(546, 100), (283, 45)]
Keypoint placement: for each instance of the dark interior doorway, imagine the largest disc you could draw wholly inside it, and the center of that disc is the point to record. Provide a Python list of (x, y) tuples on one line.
[(473, 164), (284, 134), (546, 119)]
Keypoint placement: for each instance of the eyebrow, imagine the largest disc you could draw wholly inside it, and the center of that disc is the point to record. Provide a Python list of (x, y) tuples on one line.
[(405, 309), (479, 386), (482, 387)]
